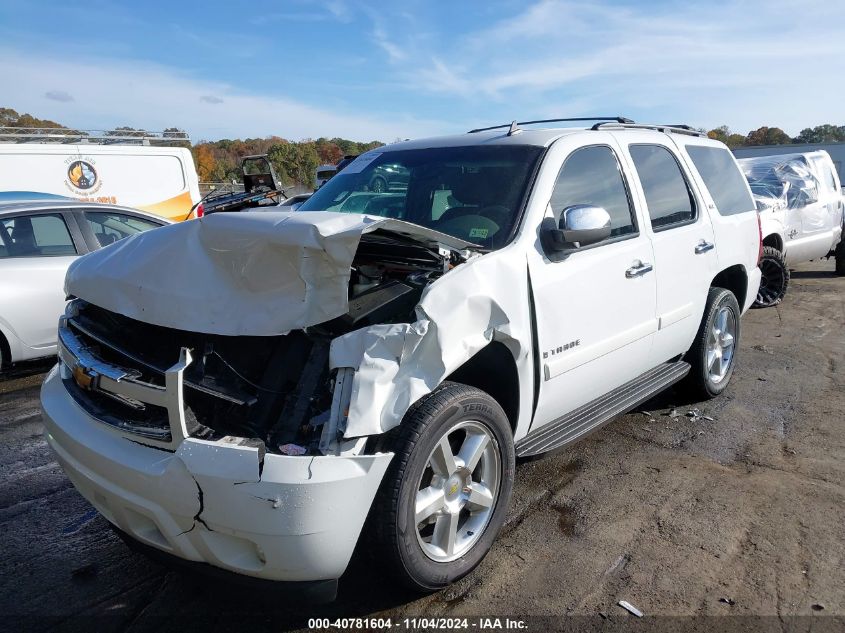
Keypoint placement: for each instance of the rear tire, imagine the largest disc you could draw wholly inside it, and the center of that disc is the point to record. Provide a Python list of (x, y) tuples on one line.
[(774, 280), (713, 354), (447, 489)]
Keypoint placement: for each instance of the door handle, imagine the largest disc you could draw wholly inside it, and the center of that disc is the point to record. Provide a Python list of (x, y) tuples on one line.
[(703, 247), (639, 270)]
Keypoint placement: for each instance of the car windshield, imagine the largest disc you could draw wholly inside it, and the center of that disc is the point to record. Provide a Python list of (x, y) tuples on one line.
[(472, 193)]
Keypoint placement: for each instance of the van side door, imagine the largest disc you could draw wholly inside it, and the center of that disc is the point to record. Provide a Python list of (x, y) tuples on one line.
[(594, 305)]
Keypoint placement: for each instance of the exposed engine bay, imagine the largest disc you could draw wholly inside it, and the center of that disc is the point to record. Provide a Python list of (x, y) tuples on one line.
[(271, 390)]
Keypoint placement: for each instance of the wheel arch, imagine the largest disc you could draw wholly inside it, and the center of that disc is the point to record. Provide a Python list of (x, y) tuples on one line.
[(735, 279), (494, 371)]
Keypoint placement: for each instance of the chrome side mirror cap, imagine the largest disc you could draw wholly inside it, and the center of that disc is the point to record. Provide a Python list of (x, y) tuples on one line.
[(580, 225)]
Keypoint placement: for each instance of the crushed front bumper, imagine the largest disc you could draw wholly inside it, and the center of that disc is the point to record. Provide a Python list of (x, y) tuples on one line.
[(288, 519)]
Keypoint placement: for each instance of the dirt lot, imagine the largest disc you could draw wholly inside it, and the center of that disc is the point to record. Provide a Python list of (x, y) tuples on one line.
[(742, 515)]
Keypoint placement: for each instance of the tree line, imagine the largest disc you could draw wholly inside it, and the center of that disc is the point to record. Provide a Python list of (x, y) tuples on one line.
[(296, 162), (765, 135)]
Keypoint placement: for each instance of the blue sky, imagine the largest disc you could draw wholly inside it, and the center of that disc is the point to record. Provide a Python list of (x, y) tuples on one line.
[(387, 70)]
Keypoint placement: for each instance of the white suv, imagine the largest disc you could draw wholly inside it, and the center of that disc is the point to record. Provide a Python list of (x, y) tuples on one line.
[(248, 390), (802, 210)]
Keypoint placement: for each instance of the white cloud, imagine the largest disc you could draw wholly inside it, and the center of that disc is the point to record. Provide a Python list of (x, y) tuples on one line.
[(58, 95), (745, 64), (154, 97), (394, 52)]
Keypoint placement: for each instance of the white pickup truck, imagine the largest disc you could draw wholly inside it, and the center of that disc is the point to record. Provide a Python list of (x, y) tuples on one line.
[(260, 392), (802, 210)]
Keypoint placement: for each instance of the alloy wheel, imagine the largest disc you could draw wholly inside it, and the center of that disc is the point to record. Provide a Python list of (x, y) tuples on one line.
[(457, 492), (720, 344)]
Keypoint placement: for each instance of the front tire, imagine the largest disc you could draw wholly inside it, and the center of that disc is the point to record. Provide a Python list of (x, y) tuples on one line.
[(713, 353), (774, 278), (446, 492)]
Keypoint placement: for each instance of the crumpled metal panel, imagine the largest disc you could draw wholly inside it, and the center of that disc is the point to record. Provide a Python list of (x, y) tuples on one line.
[(257, 274), (395, 365)]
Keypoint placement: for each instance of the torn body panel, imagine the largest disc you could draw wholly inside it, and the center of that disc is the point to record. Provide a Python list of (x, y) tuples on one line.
[(483, 300)]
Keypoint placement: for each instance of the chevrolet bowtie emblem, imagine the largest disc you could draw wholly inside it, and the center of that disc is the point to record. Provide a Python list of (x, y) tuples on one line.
[(82, 378)]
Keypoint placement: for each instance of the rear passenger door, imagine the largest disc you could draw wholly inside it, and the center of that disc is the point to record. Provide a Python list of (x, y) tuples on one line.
[(682, 237)]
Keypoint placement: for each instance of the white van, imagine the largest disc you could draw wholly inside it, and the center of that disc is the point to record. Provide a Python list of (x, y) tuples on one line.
[(157, 179)]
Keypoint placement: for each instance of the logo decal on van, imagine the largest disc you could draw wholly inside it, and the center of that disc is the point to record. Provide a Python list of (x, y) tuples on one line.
[(82, 174)]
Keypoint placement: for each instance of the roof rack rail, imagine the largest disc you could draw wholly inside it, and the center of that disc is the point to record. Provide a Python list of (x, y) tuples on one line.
[(678, 128), (513, 128), (62, 135)]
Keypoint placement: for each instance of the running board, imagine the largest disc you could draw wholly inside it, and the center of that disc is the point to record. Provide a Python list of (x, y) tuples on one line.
[(593, 415)]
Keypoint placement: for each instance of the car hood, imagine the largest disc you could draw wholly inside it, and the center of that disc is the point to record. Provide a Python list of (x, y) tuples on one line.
[(259, 274)]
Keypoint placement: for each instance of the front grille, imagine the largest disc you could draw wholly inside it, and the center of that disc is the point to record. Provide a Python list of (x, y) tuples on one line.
[(148, 420), (238, 386)]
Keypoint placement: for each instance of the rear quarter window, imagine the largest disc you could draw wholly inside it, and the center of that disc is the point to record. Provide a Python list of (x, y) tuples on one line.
[(726, 184)]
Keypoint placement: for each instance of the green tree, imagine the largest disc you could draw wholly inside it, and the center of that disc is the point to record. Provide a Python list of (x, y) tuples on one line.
[(295, 162), (767, 136), (127, 131), (826, 133), (723, 133)]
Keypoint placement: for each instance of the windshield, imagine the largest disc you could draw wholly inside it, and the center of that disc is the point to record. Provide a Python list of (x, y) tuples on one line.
[(472, 193)]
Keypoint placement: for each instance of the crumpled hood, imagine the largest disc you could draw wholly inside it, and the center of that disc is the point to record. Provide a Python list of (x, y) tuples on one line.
[(259, 274)]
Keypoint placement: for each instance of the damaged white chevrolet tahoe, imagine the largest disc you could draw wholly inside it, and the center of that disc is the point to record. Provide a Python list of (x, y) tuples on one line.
[(262, 391)]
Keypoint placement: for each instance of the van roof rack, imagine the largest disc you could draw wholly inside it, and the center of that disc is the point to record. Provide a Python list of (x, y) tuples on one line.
[(514, 124), (677, 128), (62, 135)]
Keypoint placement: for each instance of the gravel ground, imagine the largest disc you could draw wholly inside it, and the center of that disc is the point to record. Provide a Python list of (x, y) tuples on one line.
[(741, 515)]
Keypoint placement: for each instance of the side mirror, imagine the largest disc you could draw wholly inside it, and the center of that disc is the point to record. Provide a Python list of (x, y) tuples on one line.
[(580, 225)]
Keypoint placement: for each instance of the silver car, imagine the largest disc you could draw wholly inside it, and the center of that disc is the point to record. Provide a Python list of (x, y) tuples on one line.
[(38, 241)]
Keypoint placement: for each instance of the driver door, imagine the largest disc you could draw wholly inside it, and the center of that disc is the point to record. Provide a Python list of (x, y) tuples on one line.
[(595, 305)]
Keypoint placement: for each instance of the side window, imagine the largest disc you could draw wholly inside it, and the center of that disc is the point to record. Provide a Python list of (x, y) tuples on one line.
[(723, 179), (591, 175), (35, 236), (109, 227), (827, 173), (667, 193)]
